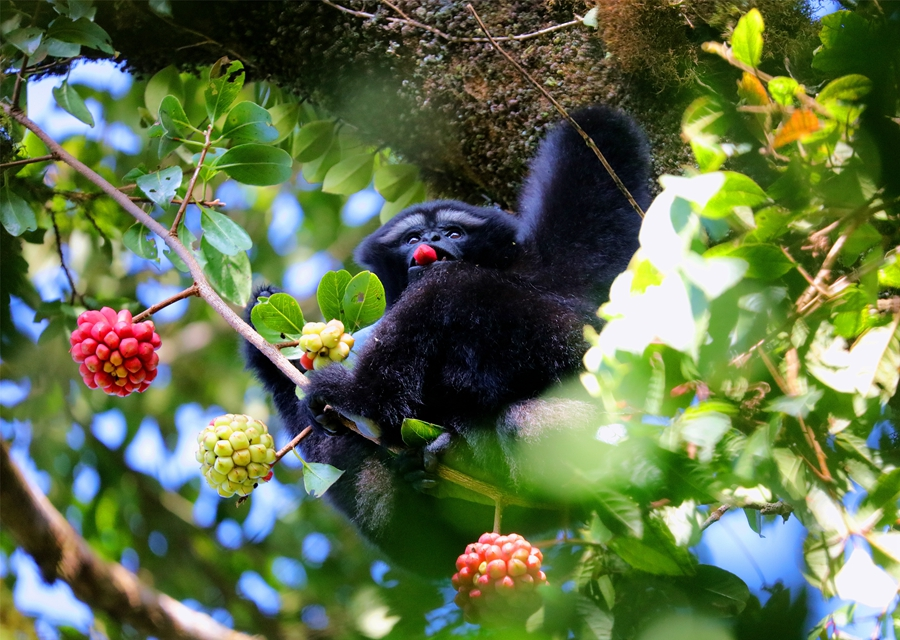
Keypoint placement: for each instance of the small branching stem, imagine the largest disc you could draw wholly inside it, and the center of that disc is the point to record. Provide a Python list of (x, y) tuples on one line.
[(18, 163), (779, 508), (562, 111), (17, 88), (193, 290), (173, 231), (286, 449), (62, 260)]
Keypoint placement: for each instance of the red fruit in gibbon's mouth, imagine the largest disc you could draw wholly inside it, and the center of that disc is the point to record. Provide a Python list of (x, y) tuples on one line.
[(424, 255), (497, 578), (115, 354)]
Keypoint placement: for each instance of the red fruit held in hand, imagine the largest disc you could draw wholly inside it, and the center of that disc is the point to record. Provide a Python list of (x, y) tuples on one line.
[(505, 565), (115, 354), (424, 255)]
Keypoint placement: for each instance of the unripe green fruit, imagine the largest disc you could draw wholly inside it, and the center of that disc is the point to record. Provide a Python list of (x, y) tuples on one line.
[(330, 337), (235, 452), (312, 327), (335, 324), (311, 343), (320, 362), (339, 352)]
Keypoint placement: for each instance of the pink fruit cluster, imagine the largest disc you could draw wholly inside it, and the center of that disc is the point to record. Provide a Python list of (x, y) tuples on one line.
[(113, 352), (496, 578)]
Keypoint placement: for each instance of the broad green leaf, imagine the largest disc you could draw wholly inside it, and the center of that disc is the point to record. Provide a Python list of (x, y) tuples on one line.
[(862, 239), (737, 191), (846, 88), (16, 215), (721, 590), (60, 49), (69, 100), (249, 122), (889, 274), (412, 196), (314, 170), (164, 82), (783, 89), (705, 430), (330, 293), (313, 140), (281, 313), (797, 406), (256, 164), (350, 175), (708, 153), (284, 117), (418, 433), (590, 18), (173, 118), (141, 241), (363, 302), (619, 512), (160, 186), (747, 40), (393, 180), (655, 553), (81, 9), (766, 261), (223, 233), (26, 39), (257, 317), (318, 477), (81, 31), (223, 87), (229, 275)]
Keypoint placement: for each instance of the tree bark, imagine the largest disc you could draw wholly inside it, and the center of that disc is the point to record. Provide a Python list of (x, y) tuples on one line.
[(411, 78)]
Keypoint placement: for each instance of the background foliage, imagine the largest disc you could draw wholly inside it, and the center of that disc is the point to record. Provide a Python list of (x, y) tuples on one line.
[(770, 375)]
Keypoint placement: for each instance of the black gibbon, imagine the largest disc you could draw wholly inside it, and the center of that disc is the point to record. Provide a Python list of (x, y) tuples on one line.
[(471, 339)]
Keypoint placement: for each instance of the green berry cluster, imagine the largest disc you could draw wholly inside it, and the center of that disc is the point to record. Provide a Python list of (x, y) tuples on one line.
[(324, 343), (235, 453)]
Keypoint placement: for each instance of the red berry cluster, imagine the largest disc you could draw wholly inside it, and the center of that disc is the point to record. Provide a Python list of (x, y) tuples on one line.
[(115, 354), (496, 578)]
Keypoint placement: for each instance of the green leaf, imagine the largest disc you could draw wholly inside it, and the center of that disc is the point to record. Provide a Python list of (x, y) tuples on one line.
[(846, 88), (793, 472), (223, 233), (705, 430), (81, 31), (714, 275), (160, 186), (767, 262), (747, 40), (330, 293), (223, 87), (81, 9), (257, 317), (737, 191), (163, 83), (363, 302), (141, 241), (26, 39), (862, 239), (313, 140), (256, 164), (656, 553), (187, 239), (60, 49), (314, 170), (393, 180), (16, 215), (69, 100), (889, 274), (783, 89), (229, 275), (249, 122), (318, 477), (797, 406), (418, 433), (721, 590), (173, 118), (281, 313), (619, 512), (284, 117), (590, 18), (411, 197), (350, 175)]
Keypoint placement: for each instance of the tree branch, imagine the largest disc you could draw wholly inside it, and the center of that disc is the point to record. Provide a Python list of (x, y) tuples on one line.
[(24, 161), (779, 508), (187, 293), (106, 586)]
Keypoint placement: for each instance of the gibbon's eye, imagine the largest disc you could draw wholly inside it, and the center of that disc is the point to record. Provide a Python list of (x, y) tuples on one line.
[(412, 239), (454, 234)]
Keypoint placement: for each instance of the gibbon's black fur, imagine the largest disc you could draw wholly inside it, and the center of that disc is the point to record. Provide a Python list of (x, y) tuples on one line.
[(468, 341)]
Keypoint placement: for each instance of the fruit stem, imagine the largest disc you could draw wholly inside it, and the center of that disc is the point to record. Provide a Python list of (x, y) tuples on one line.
[(493, 493), (193, 290), (290, 445), (498, 514)]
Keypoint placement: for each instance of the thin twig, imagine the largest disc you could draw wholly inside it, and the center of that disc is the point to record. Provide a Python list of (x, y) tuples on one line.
[(205, 203), (779, 508), (18, 163), (173, 231), (823, 290), (565, 114), (62, 260), (286, 449), (715, 516), (405, 19), (193, 290), (17, 88)]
